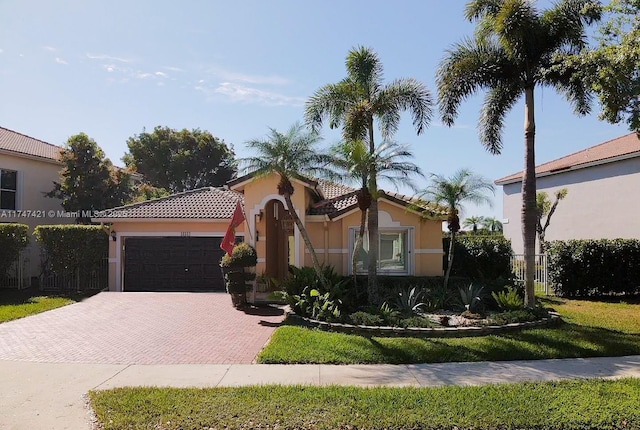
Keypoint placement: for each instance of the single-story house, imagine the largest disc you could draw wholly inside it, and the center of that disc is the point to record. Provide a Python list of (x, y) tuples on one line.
[(28, 169), (603, 184), (173, 243)]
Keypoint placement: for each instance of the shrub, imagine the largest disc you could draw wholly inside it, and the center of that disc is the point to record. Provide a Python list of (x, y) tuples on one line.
[(237, 278), (311, 303), (481, 258), (13, 239), (416, 321), (365, 318), (509, 299), (243, 255), (592, 268), (435, 296), (73, 252), (520, 315), (473, 298), (409, 300)]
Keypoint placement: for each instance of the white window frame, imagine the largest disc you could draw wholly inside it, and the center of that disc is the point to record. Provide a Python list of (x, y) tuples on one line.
[(410, 259), (16, 191)]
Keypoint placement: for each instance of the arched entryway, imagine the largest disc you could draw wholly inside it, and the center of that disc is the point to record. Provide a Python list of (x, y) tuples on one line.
[(279, 240)]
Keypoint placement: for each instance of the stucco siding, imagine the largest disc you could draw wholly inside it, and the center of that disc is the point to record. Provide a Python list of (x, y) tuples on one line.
[(601, 203)]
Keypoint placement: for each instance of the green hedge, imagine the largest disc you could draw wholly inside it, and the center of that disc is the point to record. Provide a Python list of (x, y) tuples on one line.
[(76, 251), (480, 258), (591, 268), (13, 239)]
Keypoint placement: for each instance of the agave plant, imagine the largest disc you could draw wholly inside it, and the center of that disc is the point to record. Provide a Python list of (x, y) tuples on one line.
[(410, 300), (472, 298)]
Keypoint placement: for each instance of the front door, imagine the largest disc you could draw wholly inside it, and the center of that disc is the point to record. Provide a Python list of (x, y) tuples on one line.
[(279, 240)]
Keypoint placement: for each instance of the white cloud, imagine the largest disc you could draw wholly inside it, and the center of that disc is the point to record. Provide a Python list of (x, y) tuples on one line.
[(227, 75), (161, 75), (61, 61), (173, 69), (49, 48), (244, 94), (108, 57), (143, 75)]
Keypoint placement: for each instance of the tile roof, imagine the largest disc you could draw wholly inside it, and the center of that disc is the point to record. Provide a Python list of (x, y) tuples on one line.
[(202, 203), (331, 190), (20, 143), (610, 150)]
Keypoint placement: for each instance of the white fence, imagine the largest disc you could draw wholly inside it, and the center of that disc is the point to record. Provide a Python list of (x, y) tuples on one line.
[(541, 273)]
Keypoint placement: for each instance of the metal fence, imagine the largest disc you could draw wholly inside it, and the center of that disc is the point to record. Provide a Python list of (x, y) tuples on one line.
[(541, 273), (17, 277), (93, 277)]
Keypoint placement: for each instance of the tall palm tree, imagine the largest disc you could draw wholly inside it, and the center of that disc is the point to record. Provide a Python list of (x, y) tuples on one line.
[(353, 104), (473, 222), (492, 224), (289, 155), (462, 187), (516, 48), (389, 161)]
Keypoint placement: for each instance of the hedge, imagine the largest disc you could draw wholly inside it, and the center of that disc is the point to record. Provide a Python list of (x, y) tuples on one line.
[(76, 251), (592, 268), (480, 258), (13, 239)]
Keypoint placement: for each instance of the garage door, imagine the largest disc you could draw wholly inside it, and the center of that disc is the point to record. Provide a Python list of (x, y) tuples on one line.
[(172, 264)]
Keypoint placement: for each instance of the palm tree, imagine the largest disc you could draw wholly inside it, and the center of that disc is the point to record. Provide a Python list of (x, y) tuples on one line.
[(516, 48), (473, 222), (546, 208), (492, 224), (353, 104), (389, 161), (289, 155), (462, 187)]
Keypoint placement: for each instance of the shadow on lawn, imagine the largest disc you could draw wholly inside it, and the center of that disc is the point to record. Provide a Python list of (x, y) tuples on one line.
[(18, 297)]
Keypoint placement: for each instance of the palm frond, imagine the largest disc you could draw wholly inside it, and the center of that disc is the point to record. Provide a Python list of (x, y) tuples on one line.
[(365, 68), (498, 102), (405, 94), (469, 67), (461, 187), (330, 102)]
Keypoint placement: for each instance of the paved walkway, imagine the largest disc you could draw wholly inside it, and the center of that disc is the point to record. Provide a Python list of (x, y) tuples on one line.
[(51, 395), (141, 328)]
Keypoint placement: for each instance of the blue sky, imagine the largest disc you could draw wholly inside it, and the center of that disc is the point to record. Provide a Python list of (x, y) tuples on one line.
[(113, 68)]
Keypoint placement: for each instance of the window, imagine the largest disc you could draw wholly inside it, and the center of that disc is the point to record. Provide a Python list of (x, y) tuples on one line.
[(8, 189), (394, 251)]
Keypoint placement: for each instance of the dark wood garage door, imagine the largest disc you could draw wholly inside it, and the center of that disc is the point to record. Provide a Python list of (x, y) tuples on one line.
[(172, 264)]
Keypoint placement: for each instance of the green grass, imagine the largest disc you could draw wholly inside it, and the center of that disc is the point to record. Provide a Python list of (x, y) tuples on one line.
[(584, 404), (16, 304), (594, 329)]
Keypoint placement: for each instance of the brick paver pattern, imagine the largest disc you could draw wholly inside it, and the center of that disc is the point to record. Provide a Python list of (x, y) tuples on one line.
[(140, 328)]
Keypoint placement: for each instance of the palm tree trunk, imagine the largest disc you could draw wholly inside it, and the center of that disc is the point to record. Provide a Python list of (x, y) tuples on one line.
[(307, 241), (450, 259), (359, 243), (529, 206), (372, 278)]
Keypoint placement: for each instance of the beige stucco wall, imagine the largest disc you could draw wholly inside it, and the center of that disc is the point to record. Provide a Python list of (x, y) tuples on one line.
[(35, 178), (602, 203)]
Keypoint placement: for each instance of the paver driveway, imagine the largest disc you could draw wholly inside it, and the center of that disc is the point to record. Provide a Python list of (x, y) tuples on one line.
[(141, 328)]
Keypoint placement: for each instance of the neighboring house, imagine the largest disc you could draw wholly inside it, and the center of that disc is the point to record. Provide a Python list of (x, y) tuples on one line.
[(173, 243), (603, 199), (28, 168)]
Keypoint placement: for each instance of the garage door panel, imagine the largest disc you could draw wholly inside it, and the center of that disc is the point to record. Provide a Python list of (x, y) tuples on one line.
[(173, 264)]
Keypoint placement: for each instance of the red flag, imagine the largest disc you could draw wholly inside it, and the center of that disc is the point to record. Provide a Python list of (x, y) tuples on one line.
[(229, 240)]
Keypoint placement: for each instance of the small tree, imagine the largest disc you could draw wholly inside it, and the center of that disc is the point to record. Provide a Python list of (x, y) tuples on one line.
[(473, 222), (492, 224), (88, 180), (546, 208), (464, 186), (14, 239)]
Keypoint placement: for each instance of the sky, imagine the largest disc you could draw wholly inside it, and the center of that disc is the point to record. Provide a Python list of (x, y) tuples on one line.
[(112, 69)]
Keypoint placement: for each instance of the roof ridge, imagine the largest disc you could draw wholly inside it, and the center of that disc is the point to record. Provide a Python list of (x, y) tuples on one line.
[(334, 199), (30, 137)]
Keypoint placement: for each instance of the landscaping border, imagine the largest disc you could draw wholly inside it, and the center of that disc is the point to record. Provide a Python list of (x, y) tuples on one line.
[(428, 332)]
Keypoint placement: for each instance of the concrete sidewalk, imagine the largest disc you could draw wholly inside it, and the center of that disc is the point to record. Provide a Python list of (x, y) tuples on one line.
[(51, 395)]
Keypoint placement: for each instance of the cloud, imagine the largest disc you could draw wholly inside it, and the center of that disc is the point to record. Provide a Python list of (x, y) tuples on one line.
[(1, 51), (245, 94), (108, 58), (61, 61), (173, 69), (161, 74), (230, 76), (49, 48)]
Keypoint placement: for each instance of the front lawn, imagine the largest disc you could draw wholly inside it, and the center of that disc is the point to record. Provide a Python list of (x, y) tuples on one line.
[(595, 329), (568, 405), (16, 304)]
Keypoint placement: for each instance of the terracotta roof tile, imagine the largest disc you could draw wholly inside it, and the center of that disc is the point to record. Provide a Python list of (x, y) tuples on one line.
[(625, 145), (202, 203), (332, 190), (20, 143)]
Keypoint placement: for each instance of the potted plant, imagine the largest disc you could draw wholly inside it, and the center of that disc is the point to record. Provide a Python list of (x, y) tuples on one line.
[(237, 272)]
